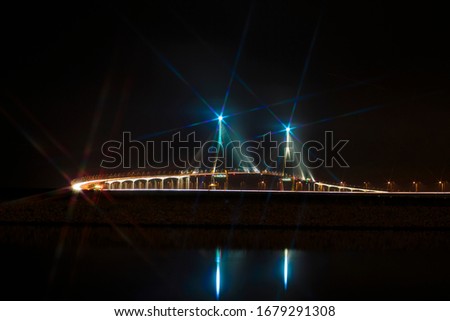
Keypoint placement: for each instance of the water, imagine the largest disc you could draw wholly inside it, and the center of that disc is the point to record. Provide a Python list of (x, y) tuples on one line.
[(138, 263)]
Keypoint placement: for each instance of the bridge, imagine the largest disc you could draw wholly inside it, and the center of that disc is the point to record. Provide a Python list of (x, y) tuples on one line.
[(209, 180)]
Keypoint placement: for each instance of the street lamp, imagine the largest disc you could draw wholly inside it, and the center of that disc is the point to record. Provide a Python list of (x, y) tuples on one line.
[(389, 185)]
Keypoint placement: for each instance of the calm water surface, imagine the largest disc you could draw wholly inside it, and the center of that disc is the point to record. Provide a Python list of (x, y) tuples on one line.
[(106, 263)]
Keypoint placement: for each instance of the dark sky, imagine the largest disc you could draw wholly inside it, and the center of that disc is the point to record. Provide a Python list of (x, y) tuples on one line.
[(73, 77)]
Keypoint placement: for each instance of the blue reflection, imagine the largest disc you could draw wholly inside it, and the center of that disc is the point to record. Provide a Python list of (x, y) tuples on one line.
[(286, 254), (218, 255)]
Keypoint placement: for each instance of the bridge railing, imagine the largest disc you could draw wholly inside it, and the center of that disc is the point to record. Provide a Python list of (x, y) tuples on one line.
[(108, 176)]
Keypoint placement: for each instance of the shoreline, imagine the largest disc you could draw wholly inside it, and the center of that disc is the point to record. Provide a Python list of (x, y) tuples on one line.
[(234, 209)]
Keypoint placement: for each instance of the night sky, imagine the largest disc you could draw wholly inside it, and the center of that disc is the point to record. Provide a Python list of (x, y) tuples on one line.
[(74, 76)]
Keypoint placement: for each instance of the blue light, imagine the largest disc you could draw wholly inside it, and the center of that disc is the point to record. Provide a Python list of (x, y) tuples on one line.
[(218, 255), (286, 253), (288, 129), (220, 118), (218, 281)]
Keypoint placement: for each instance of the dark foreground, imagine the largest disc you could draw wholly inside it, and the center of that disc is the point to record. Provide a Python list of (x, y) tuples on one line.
[(236, 209), (227, 246)]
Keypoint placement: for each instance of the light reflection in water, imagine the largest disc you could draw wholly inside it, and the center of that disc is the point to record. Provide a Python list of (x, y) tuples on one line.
[(286, 254), (218, 255)]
